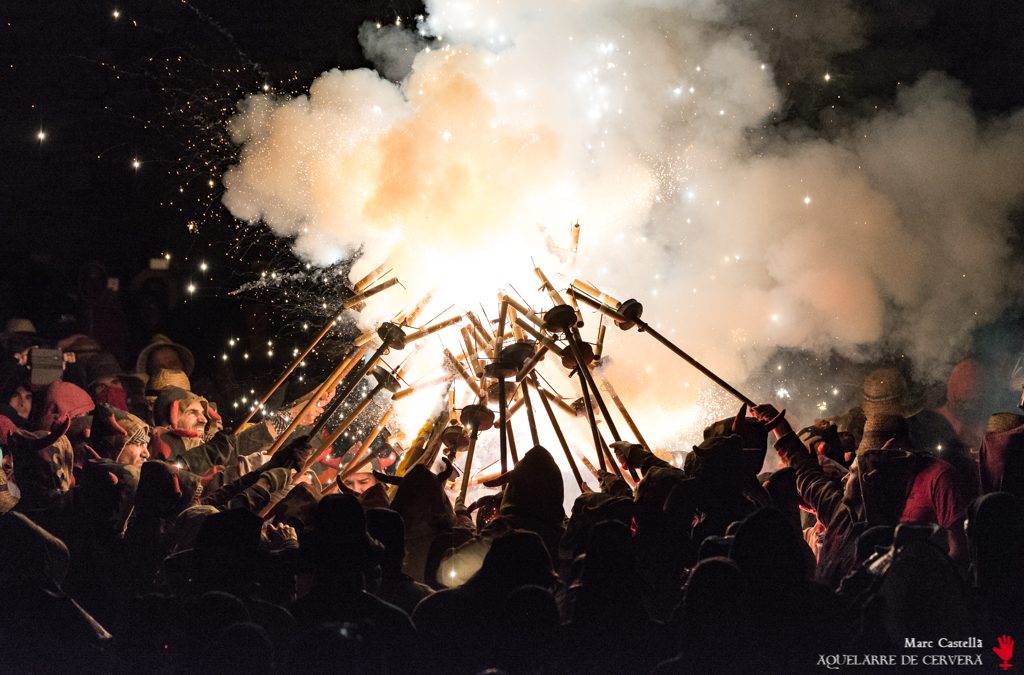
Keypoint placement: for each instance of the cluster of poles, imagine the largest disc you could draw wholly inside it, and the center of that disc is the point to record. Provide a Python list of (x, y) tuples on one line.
[(498, 364)]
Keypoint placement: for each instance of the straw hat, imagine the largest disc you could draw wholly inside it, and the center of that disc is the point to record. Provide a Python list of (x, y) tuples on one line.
[(1002, 422), (19, 326), (167, 377), (879, 429), (884, 391)]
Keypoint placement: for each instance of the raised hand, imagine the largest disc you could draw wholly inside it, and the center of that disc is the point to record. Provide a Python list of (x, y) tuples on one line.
[(1004, 651)]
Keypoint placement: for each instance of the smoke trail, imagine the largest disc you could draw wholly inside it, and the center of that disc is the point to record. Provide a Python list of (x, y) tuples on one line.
[(648, 123)]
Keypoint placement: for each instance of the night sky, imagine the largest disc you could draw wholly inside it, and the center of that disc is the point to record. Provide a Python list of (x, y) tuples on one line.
[(106, 91), (113, 137)]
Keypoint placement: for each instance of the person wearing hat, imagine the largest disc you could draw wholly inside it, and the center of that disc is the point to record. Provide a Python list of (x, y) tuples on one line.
[(44, 630), (1002, 454), (119, 435), (64, 400), (20, 326), (163, 353), (183, 424), (968, 401), (874, 493), (937, 493)]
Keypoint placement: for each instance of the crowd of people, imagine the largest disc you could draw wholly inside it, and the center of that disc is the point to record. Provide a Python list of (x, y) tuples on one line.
[(138, 534)]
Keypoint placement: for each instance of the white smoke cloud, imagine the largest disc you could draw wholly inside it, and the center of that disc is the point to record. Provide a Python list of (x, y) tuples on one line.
[(647, 123)]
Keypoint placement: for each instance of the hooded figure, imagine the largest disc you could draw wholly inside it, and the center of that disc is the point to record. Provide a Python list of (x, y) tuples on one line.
[(44, 465), (394, 586), (428, 517), (183, 414), (968, 401), (164, 491), (63, 399), (44, 630), (462, 624), (181, 417), (875, 493), (119, 435), (726, 487), (531, 501), (995, 535), (610, 630), (533, 497), (340, 553), (793, 618), (712, 623)]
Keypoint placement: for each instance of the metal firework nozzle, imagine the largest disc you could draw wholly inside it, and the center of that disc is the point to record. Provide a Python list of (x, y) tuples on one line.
[(455, 438), (560, 319), (392, 335), (632, 309), (494, 390), (586, 353), (386, 379), (626, 314), (477, 417)]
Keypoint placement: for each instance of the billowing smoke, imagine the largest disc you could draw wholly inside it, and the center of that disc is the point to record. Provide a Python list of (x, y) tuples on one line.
[(647, 122)]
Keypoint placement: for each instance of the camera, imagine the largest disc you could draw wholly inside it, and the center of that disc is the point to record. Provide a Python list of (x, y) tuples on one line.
[(45, 365)]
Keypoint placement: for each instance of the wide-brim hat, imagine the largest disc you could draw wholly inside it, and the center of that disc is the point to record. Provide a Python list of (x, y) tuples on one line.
[(188, 361), (105, 364)]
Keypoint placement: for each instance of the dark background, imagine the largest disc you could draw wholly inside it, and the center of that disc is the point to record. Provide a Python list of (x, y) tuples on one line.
[(156, 84)]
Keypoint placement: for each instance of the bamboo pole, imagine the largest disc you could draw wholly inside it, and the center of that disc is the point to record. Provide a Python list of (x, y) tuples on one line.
[(339, 373), (369, 278), (348, 304), (622, 411), (558, 434), (360, 460)]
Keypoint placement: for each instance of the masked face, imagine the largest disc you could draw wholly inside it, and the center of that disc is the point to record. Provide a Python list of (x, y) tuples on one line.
[(193, 418), (359, 482)]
